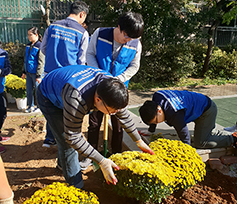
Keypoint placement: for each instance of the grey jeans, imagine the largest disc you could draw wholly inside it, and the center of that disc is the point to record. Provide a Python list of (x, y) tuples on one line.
[(205, 134)]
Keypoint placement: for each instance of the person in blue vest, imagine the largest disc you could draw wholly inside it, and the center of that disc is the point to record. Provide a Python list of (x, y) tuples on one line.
[(65, 43), (33, 68), (116, 50), (178, 108), (65, 96), (5, 69)]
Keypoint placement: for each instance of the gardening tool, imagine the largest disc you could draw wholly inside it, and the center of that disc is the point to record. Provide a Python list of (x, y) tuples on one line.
[(105, 138)]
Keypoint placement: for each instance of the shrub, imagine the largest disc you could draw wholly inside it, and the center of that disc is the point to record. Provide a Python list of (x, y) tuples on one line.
[(16, 53), (149, 178), (222, 65), (165, 65)]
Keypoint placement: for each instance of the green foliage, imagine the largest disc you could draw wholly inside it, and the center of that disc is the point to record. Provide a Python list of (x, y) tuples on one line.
[(141, 187), (222, 65), (166, 22), (166, 65), (232, 13), (16, 56)]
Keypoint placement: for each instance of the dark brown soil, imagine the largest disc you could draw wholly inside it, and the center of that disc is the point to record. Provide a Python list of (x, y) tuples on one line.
[(30, 167)]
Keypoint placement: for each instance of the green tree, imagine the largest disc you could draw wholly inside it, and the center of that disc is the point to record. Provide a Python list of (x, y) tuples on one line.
[(166, 22)]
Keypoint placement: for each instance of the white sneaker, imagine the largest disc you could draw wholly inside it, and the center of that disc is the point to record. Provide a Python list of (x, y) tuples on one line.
[(85, 163), (29, 110), (37, 110), (231, 129)]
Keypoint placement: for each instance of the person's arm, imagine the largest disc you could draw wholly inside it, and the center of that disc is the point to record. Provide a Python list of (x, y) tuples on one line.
[(133, 67), (81, 57), (7, 65), (180, 126), (40, 67), (6, 193), (91, 59), (74, 110), (43, 45), (128, 125)]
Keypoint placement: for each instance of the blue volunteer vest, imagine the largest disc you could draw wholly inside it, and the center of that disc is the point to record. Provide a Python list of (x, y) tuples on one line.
[(2, 79), (31, 57), (63, 44), (193, 103), (81, 77), (104, 50)]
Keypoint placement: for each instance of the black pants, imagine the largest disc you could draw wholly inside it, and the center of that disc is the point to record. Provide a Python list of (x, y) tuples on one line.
[(3, 110), (95, 120)]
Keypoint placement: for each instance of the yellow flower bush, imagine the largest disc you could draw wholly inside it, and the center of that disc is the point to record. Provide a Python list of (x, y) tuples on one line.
[(146, 177), (61, 193), (15, 85)]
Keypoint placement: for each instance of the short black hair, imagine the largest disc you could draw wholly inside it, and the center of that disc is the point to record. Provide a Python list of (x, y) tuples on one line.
[(79, 6), (148, 111), (132, 24), (113, 92)]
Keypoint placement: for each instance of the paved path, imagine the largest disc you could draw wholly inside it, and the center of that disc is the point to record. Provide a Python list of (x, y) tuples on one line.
[(139, 97)]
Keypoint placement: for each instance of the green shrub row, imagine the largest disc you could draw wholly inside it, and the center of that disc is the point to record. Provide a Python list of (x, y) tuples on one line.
[(163, 66), (168, 65)]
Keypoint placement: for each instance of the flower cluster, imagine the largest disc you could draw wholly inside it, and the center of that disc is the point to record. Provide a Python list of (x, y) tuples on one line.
[(146, 177), (63, 194), (186, 164), (16, 86)]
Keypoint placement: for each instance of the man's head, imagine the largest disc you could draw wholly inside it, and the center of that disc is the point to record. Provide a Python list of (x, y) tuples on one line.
[(79, 11), (151, 113), (131, 24), (111, 95)]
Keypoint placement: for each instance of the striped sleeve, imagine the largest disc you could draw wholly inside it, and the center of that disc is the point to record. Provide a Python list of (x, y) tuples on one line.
[(74, 110), (127, 124)]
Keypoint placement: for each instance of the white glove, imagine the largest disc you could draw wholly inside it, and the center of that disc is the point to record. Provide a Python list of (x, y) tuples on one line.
[(107, 170), (144, 147), (144, 132)]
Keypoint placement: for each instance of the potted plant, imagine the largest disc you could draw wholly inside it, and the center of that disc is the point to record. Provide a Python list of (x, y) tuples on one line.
[(16, 86)]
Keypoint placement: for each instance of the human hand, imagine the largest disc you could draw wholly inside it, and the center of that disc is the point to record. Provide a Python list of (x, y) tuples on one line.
[(38, 80), (144, 147), (23, 76), (144, 132), (107, 170)]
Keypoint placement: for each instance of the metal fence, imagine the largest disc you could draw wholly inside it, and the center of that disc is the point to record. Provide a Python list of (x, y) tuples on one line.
[(225, 36), (16, 16)]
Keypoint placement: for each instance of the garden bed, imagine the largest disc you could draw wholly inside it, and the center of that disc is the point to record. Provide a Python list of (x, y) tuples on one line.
[(30, 167)]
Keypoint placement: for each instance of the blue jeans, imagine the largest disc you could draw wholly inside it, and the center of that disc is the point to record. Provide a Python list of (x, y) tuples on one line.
[(67, 156), (30, 85)]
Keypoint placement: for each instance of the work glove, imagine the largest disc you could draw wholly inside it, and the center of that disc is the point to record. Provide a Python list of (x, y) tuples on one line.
[(144, 147), (107, 170), (144, 132)]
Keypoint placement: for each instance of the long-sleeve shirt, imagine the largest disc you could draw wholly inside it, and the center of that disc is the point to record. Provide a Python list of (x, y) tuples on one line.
[(74, 110), (180, 108), (40, 66), (72, 89), (131, 70)]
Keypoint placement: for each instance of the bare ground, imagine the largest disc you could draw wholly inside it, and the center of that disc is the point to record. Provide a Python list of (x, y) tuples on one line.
[(30, 167)]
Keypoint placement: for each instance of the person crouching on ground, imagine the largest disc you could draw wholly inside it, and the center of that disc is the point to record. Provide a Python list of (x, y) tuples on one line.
[(65, 96), (178, 108)]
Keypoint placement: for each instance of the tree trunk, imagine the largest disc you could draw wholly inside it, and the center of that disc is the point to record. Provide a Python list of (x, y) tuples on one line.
[(47, 11), (210, 44)]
